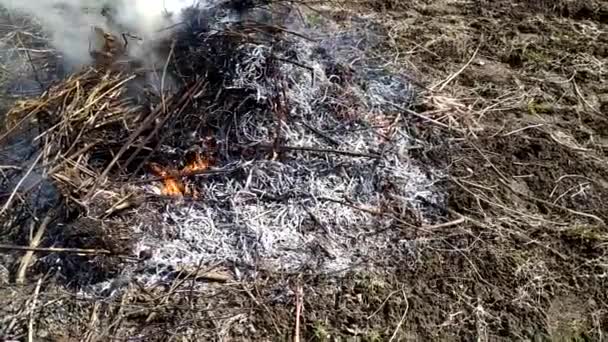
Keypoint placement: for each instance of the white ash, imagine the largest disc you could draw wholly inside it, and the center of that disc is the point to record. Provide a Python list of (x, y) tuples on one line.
[(297, 225), (283, 214)]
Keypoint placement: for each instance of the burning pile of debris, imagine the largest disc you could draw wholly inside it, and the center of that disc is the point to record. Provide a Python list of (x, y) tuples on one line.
[(261, 141)]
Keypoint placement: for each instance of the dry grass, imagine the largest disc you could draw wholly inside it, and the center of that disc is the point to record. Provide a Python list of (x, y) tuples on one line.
[(510, 155)]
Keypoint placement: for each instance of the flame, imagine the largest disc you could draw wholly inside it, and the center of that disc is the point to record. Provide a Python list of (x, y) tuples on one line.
[(172, 185), (197, 163)]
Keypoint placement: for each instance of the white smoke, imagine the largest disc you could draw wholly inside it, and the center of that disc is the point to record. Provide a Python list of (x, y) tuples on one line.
[(70, 23)]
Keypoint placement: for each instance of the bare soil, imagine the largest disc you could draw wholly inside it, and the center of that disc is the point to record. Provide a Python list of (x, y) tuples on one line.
[(513, 103)]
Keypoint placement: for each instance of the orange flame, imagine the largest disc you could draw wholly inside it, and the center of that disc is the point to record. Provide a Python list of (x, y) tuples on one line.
[(172, 185), (197, 163)]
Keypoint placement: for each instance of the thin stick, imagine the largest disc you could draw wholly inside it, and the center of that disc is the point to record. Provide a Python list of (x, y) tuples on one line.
[(319, 150), (210, 276), (407, 306), (121, 204), (27, 258), (451, 78), (12, 196), (303, 66), (30, 327), (184, 174), (182, 103), (278, 28), (447, 224), (578, 92), (420, 116), (162, 79), (10, 167), (142, 127), (382, 305), (53, 250), (322, 134), (299, 294), (60, 164), (503, 177), (522, 129)]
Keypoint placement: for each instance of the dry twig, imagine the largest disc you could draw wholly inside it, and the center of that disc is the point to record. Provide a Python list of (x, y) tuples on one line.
[(299, 306), (27, 258), (53, 250)]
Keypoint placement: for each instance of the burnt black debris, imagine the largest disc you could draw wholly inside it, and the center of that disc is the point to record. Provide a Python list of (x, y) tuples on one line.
[(251, 87)]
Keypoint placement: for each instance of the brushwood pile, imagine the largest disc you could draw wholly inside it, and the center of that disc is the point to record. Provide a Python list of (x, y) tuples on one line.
[(271, 137)]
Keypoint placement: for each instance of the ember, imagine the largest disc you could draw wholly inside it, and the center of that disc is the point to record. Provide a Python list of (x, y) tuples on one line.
[(172, 186), (196, 164), (172, 183)]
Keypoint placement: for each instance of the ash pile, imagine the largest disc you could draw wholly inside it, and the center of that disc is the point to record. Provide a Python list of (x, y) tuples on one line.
[(269, 138)]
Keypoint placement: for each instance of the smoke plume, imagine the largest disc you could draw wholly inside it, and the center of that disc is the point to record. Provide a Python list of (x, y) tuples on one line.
[(69, 23)]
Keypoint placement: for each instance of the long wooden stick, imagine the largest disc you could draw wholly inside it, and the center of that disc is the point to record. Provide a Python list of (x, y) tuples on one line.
[(27, 258), (32, 250), (30, 326), (318, 150), (446, 224), (299, 303)]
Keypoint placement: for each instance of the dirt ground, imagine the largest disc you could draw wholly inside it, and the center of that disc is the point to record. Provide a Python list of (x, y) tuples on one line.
[(513, 107)]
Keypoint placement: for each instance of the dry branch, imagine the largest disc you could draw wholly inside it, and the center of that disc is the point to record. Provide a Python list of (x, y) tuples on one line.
[(317, 150), (27, 258), (33, 250)]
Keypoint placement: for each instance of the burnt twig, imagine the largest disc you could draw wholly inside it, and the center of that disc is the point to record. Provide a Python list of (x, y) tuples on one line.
[(322, 134), (53, 250), (318, 150), (186, 174)]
